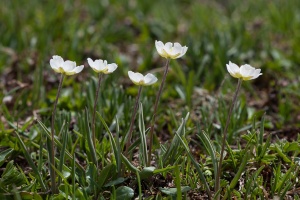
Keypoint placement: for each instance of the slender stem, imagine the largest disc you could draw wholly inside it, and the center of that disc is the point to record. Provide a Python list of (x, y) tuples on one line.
[(155, 110), (132, 120), (52, 160), (94, 110), (225, 135)]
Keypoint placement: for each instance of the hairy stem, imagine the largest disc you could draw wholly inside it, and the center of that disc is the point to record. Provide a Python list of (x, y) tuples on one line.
[(132, 120), (94, 110), (155, 110), (52, 157), (217, 187)]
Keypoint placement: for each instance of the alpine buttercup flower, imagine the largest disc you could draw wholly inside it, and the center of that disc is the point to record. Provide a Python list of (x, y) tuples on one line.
[(101, 66), (139, 79), (170, 50), (64, 67), (245, 72)]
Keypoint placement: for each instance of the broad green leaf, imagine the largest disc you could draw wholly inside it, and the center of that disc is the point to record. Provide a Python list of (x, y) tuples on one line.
[(106, 173), (124, 193), (147, 172), (115, 182), (173, 191)]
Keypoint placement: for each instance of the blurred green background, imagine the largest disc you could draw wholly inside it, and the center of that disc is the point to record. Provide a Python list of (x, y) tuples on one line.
[(263, 33)]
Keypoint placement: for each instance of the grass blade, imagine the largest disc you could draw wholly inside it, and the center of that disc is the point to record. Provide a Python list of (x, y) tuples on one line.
[(62, 152), (143, 144), (89, 139), (58, 144), (31, 163), (116, 151), (210, 149), (202, 177)]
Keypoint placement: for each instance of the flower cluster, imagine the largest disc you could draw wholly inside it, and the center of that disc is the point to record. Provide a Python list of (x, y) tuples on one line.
[(168, 50)]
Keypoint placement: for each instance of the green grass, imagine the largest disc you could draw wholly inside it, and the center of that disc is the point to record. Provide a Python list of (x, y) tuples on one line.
[(262, 156)]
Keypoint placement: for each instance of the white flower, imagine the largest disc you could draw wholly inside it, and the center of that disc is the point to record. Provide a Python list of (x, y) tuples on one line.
[(65, 67), (139, 79), (101, 66), (169, 50), (245, 72)]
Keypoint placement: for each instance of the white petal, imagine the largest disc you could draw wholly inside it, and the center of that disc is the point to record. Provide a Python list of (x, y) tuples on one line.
[(68, 66), (99, 65), (247, 70), (78, 69), (233, 70), (56, 62), (183, 51), (58, 59), (135, 77), (91, 63), (159, 46), (169, 48), (175, 51), (256, 74), (149, 79), (111, 68)]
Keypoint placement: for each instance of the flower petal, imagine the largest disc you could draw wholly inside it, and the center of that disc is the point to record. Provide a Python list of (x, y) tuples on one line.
[(149, 79), (233, 70), (111, 68), (68, 66), (247, 71), (56, 62), (183, 51), (136, 78), (160, 48), (256, 74), (91, 63), (100, 65), (78, 69)]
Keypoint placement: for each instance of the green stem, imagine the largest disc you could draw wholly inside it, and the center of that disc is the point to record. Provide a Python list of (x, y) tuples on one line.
[(132, 120), (52, 157), (217, 187), (94, 110), (155, 110)]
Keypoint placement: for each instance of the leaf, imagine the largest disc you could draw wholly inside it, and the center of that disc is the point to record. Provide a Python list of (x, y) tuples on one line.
[(31, 163), (175, 148), (200, 172), (163, 170), (293, 146), (147, 172), (12, 176), (92, 177), (116, 150), (129, 165), (4, 154), (106, 173), (124, 193), (143, 145), (173, 191), (210, 149), (115, 182), (58, 144), (281, 154)]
